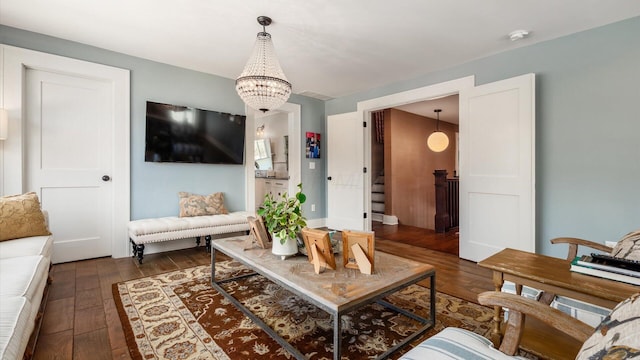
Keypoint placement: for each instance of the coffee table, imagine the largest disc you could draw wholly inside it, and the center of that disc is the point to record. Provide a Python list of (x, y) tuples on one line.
[(337, 292)]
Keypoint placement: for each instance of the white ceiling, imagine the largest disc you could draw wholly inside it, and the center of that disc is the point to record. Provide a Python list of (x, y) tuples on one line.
[(330, 48)]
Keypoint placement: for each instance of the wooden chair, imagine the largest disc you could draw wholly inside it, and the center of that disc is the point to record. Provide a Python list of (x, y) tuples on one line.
[(575, 242), (617, 333), (627, 247)]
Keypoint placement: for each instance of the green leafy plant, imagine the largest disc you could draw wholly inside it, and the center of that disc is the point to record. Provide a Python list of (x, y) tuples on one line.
[(283, 216)]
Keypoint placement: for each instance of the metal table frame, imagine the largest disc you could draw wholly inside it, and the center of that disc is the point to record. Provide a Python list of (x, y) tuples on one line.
[(336, 315)]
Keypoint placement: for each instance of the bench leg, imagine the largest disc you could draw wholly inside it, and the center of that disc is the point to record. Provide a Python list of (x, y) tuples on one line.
[(133, 246), (207, 242), (197, 241), (138, 250)]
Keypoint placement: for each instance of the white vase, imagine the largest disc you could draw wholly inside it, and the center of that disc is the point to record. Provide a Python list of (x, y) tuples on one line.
[(289, 248)]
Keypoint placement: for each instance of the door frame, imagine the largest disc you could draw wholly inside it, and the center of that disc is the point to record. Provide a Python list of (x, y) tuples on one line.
[(365, 108), (13, 152), (294, 127)]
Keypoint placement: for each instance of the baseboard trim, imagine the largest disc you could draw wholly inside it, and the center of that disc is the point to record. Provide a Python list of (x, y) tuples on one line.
[(390, 220)]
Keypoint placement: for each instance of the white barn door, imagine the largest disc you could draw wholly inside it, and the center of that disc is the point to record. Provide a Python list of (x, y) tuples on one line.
[(497, 162), (345, 176)]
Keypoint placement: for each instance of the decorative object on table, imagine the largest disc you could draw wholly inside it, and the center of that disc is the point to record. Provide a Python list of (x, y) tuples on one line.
[(258, 234), (284, 219), (318, 248), (184, 301), (438, 141), (312, 145), (358, 250), (262, 84)]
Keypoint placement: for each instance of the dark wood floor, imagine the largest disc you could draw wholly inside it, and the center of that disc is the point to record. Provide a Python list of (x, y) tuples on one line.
[(81, 322), (446, 242)]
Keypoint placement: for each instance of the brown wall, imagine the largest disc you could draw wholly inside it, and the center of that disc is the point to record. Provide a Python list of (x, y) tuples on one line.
[(409, 166)]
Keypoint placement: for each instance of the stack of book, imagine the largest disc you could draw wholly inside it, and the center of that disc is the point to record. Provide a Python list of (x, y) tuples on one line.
[(608, 267)]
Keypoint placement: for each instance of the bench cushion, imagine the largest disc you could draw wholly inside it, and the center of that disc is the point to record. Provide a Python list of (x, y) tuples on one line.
[(172, 228)]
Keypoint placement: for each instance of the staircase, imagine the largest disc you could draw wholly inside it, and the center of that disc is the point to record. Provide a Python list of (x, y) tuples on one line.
[(377, 199)]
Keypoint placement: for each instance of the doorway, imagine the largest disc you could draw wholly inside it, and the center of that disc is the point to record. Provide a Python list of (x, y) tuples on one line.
[(497, 168), (293, 146)]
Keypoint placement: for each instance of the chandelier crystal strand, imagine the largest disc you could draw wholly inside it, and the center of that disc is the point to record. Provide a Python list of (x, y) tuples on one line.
[(262, 84)]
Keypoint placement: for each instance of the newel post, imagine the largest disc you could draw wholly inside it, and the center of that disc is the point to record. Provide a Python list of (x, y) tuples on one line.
[(442, 216)]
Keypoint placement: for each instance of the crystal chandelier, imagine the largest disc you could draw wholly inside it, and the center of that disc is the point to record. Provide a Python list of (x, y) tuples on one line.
[(262, 84)]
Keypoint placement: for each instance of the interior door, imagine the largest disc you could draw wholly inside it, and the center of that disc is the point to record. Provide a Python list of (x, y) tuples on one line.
[(345, 176), (69, 150), (497, 162)]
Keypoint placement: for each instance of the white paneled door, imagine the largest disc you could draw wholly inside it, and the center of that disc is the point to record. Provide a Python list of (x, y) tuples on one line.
[(497, 162), (345, 176), (69, 160), (69, 142)]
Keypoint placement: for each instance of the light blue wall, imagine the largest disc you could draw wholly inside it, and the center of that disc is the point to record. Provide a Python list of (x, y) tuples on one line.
[(154, 186), (587, 128), (587, 133)]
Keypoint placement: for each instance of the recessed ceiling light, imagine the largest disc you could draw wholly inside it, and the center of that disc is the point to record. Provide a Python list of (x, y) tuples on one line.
[(518, 35)]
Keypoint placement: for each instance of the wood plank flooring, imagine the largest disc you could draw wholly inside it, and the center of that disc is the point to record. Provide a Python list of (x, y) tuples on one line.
[(81, 322)]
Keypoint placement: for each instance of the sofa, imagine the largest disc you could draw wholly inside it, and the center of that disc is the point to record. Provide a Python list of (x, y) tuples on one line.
[(25, 259)]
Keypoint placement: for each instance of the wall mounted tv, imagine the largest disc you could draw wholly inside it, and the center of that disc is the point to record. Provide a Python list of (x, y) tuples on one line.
[(188, 135)]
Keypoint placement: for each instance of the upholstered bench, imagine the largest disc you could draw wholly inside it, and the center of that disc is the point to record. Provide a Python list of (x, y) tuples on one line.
[(156, 230)]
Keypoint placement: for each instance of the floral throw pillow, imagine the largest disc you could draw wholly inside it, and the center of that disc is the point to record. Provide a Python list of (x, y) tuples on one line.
[(617, 335), (198, 205), (21, 216), (628, 247)]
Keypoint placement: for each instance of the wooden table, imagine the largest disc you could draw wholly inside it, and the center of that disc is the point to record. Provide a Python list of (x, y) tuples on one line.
[(337, 291), (551, 275)]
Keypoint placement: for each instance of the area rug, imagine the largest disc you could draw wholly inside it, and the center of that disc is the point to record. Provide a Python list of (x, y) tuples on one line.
[(178, 315)]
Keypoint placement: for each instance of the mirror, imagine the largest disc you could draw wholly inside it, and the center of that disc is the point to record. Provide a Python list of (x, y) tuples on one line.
[(262, 154)]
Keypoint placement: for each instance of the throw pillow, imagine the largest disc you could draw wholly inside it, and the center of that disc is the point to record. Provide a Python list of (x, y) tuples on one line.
[(197, 205), (21, 216), (617, 335), (628, 247)]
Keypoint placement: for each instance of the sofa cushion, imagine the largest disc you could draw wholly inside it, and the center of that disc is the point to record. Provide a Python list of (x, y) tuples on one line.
[(16, 325), (21, 216), (454, 343), (628, 247), (24, 276), (617, 335), (34, 245)]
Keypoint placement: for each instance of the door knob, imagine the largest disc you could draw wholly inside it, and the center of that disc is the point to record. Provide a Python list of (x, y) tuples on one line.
[(329, 178), (105, 178)]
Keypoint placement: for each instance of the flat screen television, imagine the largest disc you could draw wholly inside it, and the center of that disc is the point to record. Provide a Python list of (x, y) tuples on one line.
[(188, 135)]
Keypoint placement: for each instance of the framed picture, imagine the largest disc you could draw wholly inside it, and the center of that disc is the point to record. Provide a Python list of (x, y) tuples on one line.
[(312, 145), (366, 241), (318, 242), (258, 233)]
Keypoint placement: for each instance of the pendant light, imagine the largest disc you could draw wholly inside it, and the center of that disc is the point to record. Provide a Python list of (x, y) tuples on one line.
[(262, 84), (438, 141)]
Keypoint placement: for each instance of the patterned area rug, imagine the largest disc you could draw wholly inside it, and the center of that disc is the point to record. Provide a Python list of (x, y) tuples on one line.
[(178, 315)]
